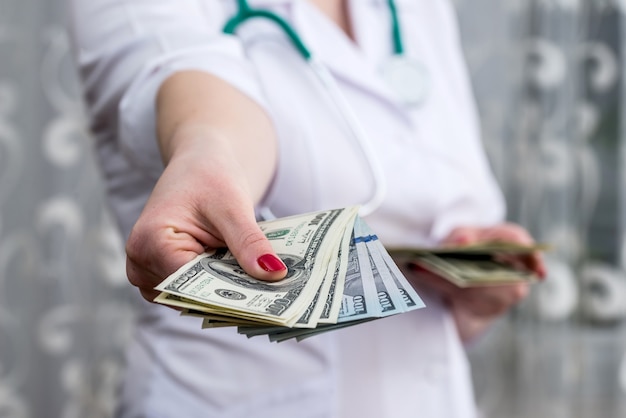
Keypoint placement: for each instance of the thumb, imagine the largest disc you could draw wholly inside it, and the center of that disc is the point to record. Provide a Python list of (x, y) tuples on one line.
[(253, 250)]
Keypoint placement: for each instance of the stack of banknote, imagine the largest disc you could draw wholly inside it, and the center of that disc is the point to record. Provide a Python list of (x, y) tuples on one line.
[(339, 274), (484, 264)]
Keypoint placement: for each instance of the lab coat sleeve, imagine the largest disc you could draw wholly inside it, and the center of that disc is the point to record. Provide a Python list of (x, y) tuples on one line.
[(125, 50)]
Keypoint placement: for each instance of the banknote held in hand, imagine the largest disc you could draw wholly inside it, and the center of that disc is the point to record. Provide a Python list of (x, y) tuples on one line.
[(339, 275), (484, 264)]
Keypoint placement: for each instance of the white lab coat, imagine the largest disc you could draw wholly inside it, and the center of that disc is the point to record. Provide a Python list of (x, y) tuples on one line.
[(411, 365)]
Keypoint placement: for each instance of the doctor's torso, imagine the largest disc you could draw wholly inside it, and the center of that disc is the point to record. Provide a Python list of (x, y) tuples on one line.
[(436, 173), (435, 170)]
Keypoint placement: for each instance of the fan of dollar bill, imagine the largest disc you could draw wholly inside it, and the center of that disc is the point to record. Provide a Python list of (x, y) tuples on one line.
[(339, 274)]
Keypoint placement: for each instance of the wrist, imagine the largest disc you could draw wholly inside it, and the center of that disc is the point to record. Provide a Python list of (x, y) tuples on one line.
[(470, 325), (188, 139)]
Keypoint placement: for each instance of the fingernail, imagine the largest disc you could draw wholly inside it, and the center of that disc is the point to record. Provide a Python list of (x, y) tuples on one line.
[(271, 263)]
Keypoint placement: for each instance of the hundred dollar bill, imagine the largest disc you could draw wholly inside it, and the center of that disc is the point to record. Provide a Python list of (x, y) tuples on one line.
[(343, 276), (327, 303), (214, 320), (466, 273), (410, 297), (358, 299), (390, 301), (194, 308), (386, 302), (356, 304), (394, 294), (472, 265), (305, 243), (402, 295), (301, 334), (330, 311), (389, 298), (484, 248)]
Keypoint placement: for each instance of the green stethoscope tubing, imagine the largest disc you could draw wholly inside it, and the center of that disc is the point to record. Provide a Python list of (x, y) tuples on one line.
[(245, 12), (396, 32)]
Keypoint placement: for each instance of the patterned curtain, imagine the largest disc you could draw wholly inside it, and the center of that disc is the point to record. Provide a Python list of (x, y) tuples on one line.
[(64, 308), (547, 77)]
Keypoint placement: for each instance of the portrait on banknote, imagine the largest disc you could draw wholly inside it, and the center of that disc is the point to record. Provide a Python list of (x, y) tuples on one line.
[(224, 265)]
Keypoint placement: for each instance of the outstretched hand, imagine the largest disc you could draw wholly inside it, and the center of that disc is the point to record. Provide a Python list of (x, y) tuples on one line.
[(184, 217), (219, 150)]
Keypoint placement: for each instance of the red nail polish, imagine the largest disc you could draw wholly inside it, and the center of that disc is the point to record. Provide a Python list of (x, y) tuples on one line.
[(271, 263)]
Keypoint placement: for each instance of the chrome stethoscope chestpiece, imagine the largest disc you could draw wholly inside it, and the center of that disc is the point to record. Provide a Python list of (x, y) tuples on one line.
[(407, 78)]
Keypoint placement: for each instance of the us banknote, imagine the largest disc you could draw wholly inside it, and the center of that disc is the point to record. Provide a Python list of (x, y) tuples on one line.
[(339, 275), (306, 244), (372, 290), (483, 264)]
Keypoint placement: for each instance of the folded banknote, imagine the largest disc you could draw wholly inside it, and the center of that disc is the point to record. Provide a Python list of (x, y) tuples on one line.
[(484, 264)]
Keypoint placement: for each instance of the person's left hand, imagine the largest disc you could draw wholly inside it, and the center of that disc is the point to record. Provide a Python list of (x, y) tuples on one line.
[(475, 308)]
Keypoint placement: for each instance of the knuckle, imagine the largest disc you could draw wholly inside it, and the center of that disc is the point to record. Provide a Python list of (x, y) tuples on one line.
[(461, 234), (252, 238), (144, 250), (517, 232), (134, 277), (134, 244)]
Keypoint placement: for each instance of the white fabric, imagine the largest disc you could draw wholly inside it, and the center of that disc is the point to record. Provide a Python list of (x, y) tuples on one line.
[(410, 365)]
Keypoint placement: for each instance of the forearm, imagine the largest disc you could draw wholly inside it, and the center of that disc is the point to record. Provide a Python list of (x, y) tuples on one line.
[(219, 151), (200, 113)]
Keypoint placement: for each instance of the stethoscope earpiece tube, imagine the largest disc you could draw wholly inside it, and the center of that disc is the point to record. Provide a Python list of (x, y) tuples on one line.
[(396, 31), (245, 12)]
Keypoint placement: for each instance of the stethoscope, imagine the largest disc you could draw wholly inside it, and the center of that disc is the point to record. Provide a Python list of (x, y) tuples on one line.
[(406, 77)]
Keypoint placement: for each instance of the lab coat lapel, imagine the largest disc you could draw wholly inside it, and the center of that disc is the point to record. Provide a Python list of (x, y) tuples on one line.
[(342, 57)]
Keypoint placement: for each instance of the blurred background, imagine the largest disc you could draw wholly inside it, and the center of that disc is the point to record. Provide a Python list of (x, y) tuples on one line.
[(548, 81)]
